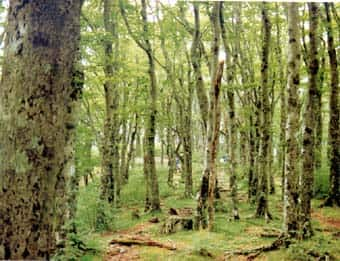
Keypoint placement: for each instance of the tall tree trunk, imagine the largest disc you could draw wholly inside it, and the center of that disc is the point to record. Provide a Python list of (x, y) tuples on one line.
[(196, 64), (291, 195), (262, 193), (283, 102), (333, 198), (35, 103), (110, 151), (310, 125), (231, 72), (207, 189), (150, 131)]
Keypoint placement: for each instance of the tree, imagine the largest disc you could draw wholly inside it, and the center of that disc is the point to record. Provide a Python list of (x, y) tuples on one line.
[(36, 97), (309, 135), (333, 198), (110, 152), (262, 193), (196, 64), (231, 72), (150, 132), (291, 197), (206, 198)]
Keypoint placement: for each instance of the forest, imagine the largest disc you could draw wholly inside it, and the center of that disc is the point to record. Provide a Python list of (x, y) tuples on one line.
[(169, 130)]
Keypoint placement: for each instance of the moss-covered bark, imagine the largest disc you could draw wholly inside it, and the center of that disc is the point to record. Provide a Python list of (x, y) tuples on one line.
[(262, 193), (110, 150), (205, 205), (309, 138), (334, 119), (291, 196), (35, 98)]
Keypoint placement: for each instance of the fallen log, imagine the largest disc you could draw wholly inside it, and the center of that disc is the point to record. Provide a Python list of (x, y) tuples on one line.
[(141, 242), (254, 252)]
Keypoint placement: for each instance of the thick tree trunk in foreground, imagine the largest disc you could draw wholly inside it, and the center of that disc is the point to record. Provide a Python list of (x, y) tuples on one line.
[(333, 198), (291, 191), (262, 193), (35, 99), (310, 117)]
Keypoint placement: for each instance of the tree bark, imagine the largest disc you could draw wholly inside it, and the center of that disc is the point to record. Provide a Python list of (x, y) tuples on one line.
[(196, 64), (333, 198), (262, 193), (283, 103), (131, 149), (309, 138), (35, 103), (207, 189), (291, 195), (110, 152), (150, 130)]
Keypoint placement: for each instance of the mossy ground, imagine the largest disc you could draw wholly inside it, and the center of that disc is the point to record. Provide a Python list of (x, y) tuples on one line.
[(228, 235)]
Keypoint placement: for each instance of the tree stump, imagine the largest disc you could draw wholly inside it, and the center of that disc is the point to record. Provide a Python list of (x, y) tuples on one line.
[(176, 223)]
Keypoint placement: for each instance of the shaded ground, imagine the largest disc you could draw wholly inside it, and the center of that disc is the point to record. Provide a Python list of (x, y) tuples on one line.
[(229, 235)]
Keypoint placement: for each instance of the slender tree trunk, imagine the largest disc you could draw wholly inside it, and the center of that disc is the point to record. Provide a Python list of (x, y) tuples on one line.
[(310, 125), (207, 189), (291, 196), (110, 152), (333, 198), (124, 142), (171, 157), (146, 172), (150, 131), (232, 134), (318, 112), (232, 154), (252, 151), (196, 64), (283, 103), (36, 74), (187, 143), (262, 193), (131, 149)]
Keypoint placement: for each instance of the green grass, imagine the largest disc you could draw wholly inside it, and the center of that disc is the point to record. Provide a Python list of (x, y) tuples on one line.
[(228, 235)]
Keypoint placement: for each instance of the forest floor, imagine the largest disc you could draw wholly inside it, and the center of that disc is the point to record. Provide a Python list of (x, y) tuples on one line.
[(130, 222)]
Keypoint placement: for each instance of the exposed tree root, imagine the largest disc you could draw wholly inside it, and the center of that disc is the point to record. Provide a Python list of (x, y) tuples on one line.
[(141, 242), (330, 202), (270, 232), (254, 252)]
